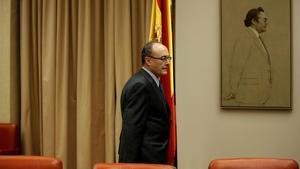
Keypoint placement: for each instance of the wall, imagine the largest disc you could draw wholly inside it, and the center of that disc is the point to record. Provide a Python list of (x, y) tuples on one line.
[(205, 131)]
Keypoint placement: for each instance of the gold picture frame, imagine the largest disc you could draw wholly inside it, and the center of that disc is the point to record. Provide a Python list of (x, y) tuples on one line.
[(256, 58)]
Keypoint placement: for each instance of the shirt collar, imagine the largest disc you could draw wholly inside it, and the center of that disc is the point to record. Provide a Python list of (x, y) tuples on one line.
[(254, 31), (152, 75)]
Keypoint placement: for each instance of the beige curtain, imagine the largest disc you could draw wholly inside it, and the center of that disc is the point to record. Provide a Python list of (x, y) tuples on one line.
[(76, 56)]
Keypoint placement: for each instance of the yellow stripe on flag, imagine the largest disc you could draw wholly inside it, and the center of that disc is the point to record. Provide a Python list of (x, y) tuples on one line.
[(161, 29), (155, 25)]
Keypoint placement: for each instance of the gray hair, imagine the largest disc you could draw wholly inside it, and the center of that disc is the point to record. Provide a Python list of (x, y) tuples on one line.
[(147, 49)]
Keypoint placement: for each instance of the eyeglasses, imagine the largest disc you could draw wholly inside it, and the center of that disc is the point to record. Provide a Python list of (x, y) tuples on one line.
[(163, 58)]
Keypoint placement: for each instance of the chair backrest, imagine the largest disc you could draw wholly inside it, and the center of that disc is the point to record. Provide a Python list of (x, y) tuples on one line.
[(253, 163), (29, 162), (9, 139), (131, 166)]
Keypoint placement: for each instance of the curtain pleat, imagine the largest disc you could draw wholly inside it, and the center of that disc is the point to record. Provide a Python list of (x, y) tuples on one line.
[(65, 82), (109, 82), (123, 56)]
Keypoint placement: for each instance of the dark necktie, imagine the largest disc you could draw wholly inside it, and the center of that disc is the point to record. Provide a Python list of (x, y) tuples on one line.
[(269, 60), (263, 43), (161, 88), (163, 93)]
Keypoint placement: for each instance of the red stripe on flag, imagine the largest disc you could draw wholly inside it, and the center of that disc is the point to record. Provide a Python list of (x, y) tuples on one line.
[(166, 81), (159, 4)]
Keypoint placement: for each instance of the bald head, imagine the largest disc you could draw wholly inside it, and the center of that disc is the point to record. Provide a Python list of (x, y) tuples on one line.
[(158, 47)]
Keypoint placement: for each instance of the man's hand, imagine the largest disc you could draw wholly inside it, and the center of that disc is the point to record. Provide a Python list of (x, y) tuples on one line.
[(230, 96)]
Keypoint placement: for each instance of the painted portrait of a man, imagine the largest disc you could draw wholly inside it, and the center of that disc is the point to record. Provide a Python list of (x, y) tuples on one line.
[(250, 72)]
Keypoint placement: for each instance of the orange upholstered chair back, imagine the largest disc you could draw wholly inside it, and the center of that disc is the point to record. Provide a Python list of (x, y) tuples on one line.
[(29, 162), (131, 166), (9, 139), (253, 163)]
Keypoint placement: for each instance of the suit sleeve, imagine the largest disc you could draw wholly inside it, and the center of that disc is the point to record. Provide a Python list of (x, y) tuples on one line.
[(135, 111), (241, 52)]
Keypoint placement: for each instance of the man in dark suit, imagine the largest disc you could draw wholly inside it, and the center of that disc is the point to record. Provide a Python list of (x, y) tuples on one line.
[(145, 112)]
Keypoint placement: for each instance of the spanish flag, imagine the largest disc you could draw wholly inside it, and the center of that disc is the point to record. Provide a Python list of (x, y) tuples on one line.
[(161, 29)]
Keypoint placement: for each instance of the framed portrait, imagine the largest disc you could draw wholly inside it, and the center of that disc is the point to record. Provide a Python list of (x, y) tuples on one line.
[(256, 58)]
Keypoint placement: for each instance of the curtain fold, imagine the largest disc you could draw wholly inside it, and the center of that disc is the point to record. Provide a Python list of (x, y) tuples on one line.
[(76, 56)]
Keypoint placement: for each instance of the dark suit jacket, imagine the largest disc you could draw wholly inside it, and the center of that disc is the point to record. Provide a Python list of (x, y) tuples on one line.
[(250, 70), (145, 121)]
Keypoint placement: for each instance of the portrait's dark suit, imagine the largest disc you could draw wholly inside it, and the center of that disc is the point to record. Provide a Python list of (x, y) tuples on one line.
[(250, 70), (145, 121)]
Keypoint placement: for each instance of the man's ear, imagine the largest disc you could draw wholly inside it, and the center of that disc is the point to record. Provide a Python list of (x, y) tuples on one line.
[(253, 21), (147, 61)]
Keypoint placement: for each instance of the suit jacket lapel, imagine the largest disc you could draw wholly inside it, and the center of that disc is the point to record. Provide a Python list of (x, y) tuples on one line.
[(156, 89), (259, 44)]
